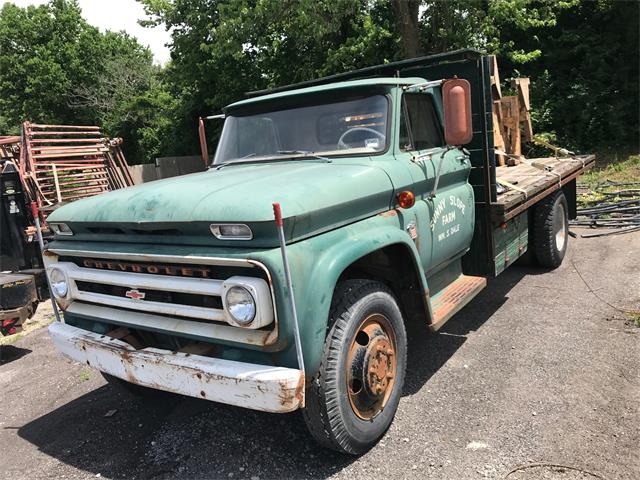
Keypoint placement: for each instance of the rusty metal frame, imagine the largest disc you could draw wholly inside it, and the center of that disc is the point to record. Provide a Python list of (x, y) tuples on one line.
[(62, 163)]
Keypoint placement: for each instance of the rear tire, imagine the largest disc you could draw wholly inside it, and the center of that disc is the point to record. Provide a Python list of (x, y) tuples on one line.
[(551, 230), (354, 397)]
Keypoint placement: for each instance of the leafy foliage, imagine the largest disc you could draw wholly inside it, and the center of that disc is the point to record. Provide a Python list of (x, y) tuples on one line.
[(55, 68)]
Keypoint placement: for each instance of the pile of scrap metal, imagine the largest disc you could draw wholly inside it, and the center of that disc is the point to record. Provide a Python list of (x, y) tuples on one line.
[(49, 165), (615, 207)]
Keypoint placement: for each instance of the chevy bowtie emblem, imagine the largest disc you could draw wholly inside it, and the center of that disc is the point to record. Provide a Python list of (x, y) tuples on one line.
[(135, 294)]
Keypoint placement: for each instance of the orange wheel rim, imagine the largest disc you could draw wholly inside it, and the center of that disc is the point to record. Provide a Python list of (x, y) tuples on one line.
[(371, 366)]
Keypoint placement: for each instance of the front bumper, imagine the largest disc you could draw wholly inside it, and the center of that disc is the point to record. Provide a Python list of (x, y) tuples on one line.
[(258, 387)]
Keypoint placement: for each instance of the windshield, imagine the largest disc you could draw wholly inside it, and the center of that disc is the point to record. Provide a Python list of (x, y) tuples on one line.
[(338, 128)]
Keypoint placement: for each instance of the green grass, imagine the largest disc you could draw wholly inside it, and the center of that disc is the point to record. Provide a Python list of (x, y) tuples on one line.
[(614, 169), (10, 339), (85, 375), (609, 168), (634, 318)]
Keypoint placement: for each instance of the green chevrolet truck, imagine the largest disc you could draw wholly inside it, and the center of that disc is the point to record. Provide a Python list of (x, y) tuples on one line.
[(393, 213)]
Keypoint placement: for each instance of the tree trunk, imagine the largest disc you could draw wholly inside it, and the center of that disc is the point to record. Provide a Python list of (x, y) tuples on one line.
[(407, 12)]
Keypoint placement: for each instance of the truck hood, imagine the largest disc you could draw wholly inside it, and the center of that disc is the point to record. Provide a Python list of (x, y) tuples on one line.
[(314, 197)]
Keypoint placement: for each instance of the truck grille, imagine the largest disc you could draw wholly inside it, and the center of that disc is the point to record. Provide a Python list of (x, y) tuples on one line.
[(172, 295)]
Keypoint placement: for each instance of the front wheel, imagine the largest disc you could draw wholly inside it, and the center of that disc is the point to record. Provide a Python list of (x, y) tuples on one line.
[(353, 399)]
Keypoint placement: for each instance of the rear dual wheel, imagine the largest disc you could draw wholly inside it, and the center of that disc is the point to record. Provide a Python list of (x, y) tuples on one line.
[(551, 230), (353, 399)]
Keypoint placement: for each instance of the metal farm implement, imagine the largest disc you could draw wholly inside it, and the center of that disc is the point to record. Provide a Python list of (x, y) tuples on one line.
[(62, 163)]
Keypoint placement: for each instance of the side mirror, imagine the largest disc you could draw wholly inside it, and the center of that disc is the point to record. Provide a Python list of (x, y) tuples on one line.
[(456, 97)]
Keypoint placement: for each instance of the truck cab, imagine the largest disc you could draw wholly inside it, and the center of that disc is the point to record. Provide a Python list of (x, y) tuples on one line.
[(180, 284)]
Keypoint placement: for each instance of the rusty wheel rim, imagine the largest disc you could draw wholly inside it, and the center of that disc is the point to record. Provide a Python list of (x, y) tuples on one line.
[(371, 366)]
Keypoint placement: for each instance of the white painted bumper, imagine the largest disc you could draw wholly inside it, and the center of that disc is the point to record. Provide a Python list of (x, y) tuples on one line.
[(258, 387)]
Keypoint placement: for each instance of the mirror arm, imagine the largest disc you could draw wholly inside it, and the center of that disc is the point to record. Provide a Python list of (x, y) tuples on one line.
[(435, 184), (424, 85)]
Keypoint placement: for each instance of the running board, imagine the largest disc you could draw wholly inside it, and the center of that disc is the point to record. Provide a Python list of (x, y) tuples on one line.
[(450, 300)]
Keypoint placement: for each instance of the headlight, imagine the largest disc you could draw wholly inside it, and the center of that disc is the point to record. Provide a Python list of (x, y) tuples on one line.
[(60, 228), (247, 302), (241, 305), (59, 283)]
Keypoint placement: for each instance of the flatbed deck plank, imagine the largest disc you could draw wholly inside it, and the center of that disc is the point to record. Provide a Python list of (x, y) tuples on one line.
[(534, 176)]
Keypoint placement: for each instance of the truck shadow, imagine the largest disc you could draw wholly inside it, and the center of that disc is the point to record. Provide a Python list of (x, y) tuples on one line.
[(178, 437), (9, 353), (428, 352)]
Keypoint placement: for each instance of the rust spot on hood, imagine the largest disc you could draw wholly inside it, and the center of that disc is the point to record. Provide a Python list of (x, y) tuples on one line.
[(389, 213)]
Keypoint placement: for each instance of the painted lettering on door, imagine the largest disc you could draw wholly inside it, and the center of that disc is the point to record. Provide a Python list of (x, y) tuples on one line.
[(445, 216)]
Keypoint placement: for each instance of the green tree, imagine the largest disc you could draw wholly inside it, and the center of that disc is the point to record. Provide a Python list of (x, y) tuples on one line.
[(56, 68), (222, 49), (585, 87)]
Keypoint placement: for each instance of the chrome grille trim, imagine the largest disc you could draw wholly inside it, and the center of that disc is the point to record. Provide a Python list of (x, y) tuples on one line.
[(171, 326), (144, 257), (164, 314), (145, 281)]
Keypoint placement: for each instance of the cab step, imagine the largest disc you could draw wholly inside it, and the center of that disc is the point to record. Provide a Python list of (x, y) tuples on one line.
[(450, 300)]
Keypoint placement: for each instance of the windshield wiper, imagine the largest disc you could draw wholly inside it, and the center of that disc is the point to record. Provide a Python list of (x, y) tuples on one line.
[(247, 159), (231, 162), (304, 153)]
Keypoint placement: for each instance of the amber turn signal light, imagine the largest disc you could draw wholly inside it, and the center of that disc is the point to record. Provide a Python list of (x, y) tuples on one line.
[(406, 199)]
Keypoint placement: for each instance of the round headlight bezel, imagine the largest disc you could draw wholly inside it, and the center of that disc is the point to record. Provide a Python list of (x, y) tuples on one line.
[(59, 282), (234, 307)]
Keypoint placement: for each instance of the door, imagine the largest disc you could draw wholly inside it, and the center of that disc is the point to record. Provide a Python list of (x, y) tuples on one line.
[(444, 199)]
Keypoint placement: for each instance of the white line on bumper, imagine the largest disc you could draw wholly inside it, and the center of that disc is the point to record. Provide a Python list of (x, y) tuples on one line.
[(258, 387)]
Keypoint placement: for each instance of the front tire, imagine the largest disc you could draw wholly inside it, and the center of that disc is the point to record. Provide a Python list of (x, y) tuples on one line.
[(354, 397), (551, 230)]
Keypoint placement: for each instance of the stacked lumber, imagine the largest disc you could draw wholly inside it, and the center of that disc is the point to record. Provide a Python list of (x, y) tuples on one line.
[(511, 118)]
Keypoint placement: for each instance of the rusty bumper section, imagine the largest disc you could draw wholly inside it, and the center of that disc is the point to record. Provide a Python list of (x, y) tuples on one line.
[(258, 387)]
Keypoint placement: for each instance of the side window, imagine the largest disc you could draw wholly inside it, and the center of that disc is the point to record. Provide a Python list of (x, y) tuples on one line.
[(419, 125)]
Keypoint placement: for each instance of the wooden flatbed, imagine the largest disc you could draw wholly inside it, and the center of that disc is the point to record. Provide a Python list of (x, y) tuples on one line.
[(522, 185)]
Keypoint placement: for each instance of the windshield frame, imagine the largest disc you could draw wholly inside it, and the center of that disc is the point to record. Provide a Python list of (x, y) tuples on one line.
[(310, 100)]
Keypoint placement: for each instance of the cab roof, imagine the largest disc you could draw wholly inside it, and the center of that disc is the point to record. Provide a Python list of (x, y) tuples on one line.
[(383, 81)]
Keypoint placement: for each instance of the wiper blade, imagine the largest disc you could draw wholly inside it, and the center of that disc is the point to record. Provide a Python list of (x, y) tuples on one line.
[(248, 159), (304, 153), (239, 161)]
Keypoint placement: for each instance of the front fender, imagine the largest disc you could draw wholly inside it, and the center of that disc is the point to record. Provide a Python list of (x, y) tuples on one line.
[(318, 262)]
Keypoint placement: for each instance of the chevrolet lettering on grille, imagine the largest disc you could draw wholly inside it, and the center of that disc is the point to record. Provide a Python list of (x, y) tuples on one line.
[(149, 268)]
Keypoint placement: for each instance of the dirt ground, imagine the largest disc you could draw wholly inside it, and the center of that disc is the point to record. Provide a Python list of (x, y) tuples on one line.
[(537, 371)]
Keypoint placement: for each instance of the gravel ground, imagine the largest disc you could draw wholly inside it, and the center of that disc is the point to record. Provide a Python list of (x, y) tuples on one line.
[(536, 370)]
